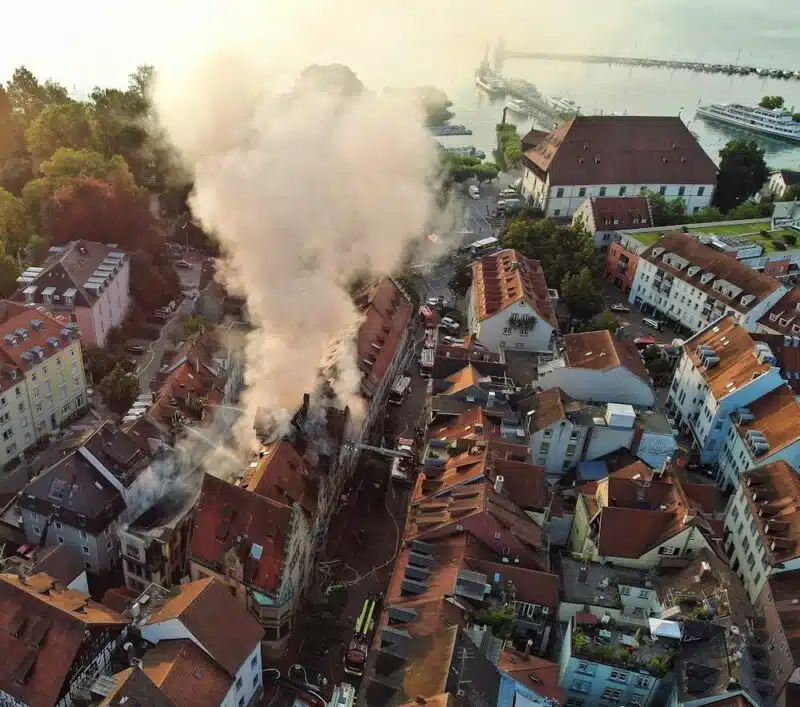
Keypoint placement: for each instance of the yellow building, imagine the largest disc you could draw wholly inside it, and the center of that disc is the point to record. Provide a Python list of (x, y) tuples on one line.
[(42, 382)]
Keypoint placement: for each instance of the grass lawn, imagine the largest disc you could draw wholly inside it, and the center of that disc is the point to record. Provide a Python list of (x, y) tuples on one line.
[(732, 229), (648, 238)]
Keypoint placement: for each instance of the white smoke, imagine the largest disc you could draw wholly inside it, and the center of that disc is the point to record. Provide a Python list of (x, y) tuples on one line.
[(304, 192)]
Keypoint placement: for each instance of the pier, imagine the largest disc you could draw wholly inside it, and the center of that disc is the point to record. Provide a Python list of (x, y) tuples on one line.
[(501, 54)]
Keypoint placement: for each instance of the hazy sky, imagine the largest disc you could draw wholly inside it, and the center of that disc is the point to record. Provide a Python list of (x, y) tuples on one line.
[(88, 42)]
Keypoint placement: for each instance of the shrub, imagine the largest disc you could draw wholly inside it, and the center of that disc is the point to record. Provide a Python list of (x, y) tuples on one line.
[(779, 245), (790, 238)]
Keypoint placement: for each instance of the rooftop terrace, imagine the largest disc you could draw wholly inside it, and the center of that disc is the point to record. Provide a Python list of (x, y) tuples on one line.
[(595, 584)]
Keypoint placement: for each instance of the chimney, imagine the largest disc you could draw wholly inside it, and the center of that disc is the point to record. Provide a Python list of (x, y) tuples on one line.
[(528, 648), (498, 484)]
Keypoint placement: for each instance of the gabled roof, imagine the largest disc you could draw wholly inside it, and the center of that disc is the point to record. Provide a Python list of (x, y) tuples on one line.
[(789, 176), (532, 138), (723, 265), (463, 426), (776, 415), (652, 529), (186, 674), (215, 619), (537, 674), (467, 377), (622, 150), (783, 315), (738, 363), (225, 513), (386, 311), (531, 586), (133, 687), (787, 353), (548, 408), (616, 213), (42, 629), (508, 277), (600, 351)]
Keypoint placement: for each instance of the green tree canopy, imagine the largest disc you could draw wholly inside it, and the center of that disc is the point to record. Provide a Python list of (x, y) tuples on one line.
[(15, 227), (119, 389), (461, 279), (792, 193), (666, 212), (742, 172), (28, 97), (58, 125), (771, 102), (579, 293)]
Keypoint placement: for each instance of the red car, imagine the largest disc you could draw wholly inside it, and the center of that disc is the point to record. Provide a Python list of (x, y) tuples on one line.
[(643, 341)]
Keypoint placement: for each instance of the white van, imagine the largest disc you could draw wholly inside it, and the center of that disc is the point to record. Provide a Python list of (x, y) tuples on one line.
[(507, 194), (474, 192), (450, 324), (653, 323)]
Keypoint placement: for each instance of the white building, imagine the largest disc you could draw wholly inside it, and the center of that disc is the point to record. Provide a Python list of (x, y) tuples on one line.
[(721, 371), (762, 525), (509, 304), (596, 367), (87, 282), (692, 284), (202, 615), (786, 214), (42, 382), (564, 432), (606, 216), (598, 156), (779, 182)]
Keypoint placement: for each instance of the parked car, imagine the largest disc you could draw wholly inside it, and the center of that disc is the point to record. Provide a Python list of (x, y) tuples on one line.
[(185, 264), (619, 308), (507, 194), (644, 341), (135, 349), (474, 192), (653, 323), (434, 301), (450, 324)]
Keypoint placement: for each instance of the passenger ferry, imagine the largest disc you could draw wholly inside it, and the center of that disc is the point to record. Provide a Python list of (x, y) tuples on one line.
[(491, 85), (564, 105), (775, 122), (515, 105)]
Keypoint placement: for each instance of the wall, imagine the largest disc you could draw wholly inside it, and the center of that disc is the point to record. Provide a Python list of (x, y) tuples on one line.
[(112, 305), (695, 196), (494, 331), (615, 385), (580, 527), (102, 548), (587, 681), (247, 682), (735, 457), (550, 451), (689, 539), (621, 274), (17, 427)]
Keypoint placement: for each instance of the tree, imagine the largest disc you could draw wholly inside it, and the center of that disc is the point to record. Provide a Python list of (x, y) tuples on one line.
[(771, 102), (59, 125), (26, 94), (15, 227), (708, 214), (192, 325), (36, 250), (792, 193), (461, 279), (12, 129), (751, 210), (436, 105), (486, 172), (666, 212), (742, 172), (117, 124), (119, 389), (580, 295), (9, 272), (141, 81), (604, 320), (99, 362)]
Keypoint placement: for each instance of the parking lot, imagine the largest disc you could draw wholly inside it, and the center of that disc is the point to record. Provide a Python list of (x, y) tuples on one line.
[(631, 322)]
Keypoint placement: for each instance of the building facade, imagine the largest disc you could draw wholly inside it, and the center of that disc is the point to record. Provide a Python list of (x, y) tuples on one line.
[(603, 217), (86, 282), (617, 156)]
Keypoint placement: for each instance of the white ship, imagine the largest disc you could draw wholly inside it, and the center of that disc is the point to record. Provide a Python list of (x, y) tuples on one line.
[(776, 122), (518, 106), (564, 105), (489, 84)]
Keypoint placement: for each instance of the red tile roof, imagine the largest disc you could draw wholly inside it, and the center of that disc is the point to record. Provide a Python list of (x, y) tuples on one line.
[(622, 150), (507, 277), (522, 482), (600, 351), (615, 213), (386, 312), (42, 629), (548, 408), (215, 618), (530, 585), (652, 529), (537, 674), (186, 674), (787, 353), (776, 415), (463, 426), (784, 314), (132, 688), (226, 512)]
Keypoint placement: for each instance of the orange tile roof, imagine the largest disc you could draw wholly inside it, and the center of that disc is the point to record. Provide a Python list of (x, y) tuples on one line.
[(463, 379), (600, 351), (458, 470), (530, 585), (386, 313), (463, 426), (507, 277), (614, 213), (186, 674), (132, 687), (523, 482), (652, 529), (776, 415), (787, 352), (772, 492), (784, 314), (723, 265), (738, 364), (537, 674), (548, 408)]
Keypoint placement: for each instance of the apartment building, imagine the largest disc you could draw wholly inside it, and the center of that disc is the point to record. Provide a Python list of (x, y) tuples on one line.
[(42, 382), (621, 261), (595, 367), (59, 562), (528, 680), (683, 280), (722, 371), (87, 283), (777, 604), (451, 358), (564, 432), (784, 316), (604, 216), (509, 305), (56, 642), (617, 156), (84, 498), (206, 648), (762, 525), (671, 521)]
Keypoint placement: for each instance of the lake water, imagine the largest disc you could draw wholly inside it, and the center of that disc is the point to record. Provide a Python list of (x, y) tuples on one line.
[(600, 88)]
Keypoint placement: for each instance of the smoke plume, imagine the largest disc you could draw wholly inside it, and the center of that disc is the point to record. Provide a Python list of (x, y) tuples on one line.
[(304, 190)]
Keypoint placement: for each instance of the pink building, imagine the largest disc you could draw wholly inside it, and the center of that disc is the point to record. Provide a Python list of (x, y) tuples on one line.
[(86, 280)]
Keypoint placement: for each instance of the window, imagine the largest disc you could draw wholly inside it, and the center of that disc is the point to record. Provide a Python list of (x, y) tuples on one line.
[(83, 534), (65, 409), (557, 212), (619, 675), (643, 682), (60, 539), (255, 681), (644, 594), (574, 702), (497, 536), (85, 549), (668, 551), (33, 377), (756, 578), (559, 193), (681, 191), (662, 191), (548, 434), (701, 191), (132, 551), (635, 701), (587, 668), (753, 525), (643, 191), (571, 449), (253, 661), (602, 191), (582, 686), (612, 695), (582, 191), (545, 448), (622, 191), (109, 545), (239, 684), (241, 702), (695, 209), (507, 331), (88, 565), (18, 391), (541, 461), (625, 591)]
